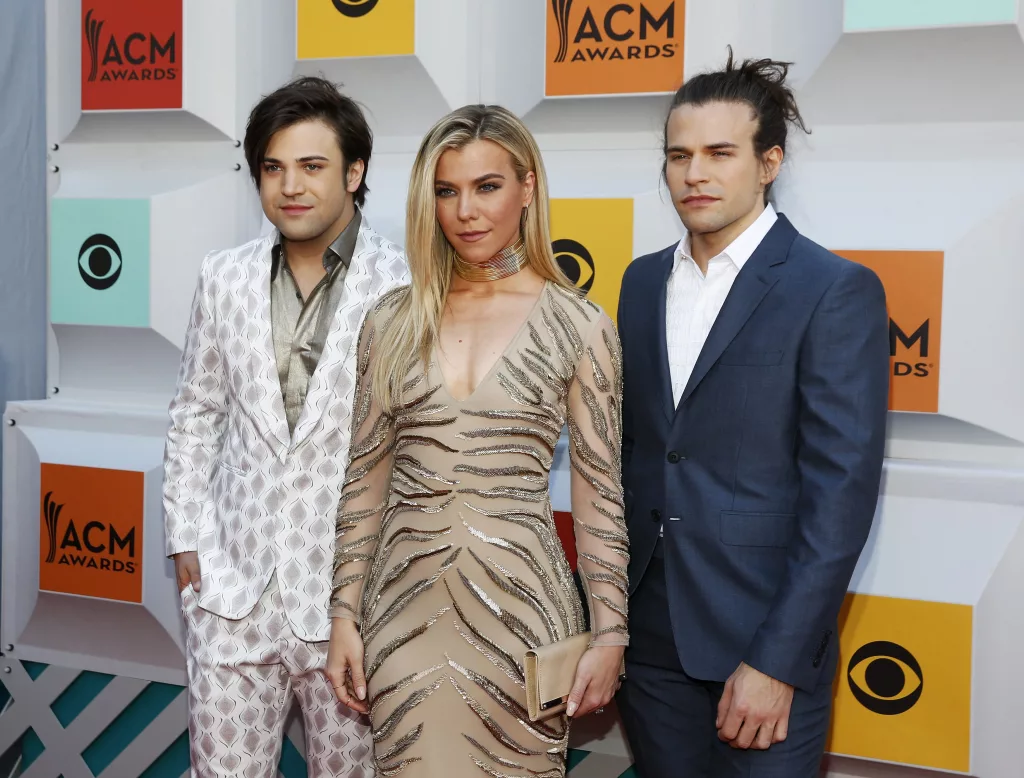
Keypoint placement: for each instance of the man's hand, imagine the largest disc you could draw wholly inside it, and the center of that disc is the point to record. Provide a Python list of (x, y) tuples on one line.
[(754, 710), (186, 569)]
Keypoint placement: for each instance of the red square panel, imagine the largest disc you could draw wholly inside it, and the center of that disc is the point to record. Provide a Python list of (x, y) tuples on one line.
[(131, 55)]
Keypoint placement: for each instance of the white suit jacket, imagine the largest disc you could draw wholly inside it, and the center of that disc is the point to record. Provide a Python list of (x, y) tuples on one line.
[(237, 488)]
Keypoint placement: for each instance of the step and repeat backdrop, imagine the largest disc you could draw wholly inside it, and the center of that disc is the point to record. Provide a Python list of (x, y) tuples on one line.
[(915, 168)]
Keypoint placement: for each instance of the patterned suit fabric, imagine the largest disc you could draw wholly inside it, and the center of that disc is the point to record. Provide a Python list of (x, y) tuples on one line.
[(243, 674), (447, 550), (259, 506), (250, 498)]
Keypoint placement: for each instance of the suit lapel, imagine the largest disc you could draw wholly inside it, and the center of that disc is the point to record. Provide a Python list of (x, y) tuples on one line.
[(266, 385), (356, 297), (753, 282), (660, 339)]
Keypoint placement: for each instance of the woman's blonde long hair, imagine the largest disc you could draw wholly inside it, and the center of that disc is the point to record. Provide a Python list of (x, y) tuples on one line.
[(413, 328)]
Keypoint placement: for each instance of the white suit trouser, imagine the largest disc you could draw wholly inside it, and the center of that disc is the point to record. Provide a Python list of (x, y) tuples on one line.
[(242, 674)]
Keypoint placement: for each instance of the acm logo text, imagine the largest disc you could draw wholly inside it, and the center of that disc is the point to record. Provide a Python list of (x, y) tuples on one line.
[(93, 545), (133, 58), (626, 31), (919, 338)]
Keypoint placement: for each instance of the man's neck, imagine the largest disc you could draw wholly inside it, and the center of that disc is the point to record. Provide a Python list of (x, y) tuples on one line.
[(706, 246), (311, 252)]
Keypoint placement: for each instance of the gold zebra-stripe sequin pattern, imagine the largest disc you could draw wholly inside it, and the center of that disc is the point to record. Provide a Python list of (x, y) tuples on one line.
[(447, 549)]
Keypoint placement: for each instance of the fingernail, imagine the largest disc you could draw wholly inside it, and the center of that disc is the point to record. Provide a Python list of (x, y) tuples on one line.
[(571, 709), (361, 693)]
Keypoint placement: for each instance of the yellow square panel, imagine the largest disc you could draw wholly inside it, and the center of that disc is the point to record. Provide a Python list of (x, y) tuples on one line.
[(593, 243), (331, 29), (903, 690)]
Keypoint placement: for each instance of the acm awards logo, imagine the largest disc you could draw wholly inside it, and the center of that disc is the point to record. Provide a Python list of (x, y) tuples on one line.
[(576, 262), (354, 8), (919, 337), (625, 31), (93, 546), (99, 261), (912, 280), (137, 56), (885, 678)]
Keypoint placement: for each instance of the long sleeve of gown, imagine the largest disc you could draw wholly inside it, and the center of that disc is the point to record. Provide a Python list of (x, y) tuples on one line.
[(366, 489), (595, 434)]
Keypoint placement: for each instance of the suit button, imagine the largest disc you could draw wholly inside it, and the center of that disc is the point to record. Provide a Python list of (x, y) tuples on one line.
[(673, 458), (656, 515)]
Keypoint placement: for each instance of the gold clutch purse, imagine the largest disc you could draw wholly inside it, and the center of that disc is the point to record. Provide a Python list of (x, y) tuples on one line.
[(550, 673)]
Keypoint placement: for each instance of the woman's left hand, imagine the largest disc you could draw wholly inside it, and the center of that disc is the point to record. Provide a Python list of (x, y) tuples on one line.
[(597, 680)]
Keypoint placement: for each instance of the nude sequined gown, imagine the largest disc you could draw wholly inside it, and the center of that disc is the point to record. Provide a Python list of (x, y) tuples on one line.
[(447, 551)]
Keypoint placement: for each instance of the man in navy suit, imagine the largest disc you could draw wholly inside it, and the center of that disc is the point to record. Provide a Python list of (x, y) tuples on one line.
[(756, 388)]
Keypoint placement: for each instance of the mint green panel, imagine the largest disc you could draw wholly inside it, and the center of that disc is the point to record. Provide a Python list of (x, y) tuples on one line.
[(901, 14), (99, 262)]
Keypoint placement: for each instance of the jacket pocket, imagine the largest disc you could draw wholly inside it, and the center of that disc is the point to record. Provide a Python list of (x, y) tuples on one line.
[(740, 528), (734, 356)]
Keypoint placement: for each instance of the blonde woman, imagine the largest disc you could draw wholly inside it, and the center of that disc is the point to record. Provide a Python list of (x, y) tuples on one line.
[(448, 567)]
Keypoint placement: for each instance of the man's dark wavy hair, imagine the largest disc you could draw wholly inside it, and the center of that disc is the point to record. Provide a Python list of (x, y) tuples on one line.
[(304, 99), (761, 84)]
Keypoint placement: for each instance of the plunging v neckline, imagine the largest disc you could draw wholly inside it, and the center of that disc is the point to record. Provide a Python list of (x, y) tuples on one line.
[(501, 356)]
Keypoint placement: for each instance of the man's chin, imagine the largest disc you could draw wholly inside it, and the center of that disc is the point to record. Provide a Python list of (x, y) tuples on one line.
[(702, 226), (290, 232)]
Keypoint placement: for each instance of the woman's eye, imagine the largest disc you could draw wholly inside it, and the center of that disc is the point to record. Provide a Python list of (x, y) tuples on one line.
[(444, 192)]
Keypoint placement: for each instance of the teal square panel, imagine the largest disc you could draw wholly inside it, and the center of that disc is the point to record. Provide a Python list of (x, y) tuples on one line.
[(904, 14), (99, 262)]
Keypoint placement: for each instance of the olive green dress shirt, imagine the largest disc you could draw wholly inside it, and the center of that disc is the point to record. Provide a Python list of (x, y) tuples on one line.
[(300, 327)]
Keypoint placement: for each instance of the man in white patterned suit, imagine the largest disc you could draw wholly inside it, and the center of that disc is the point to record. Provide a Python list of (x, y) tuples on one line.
[(259, 437)]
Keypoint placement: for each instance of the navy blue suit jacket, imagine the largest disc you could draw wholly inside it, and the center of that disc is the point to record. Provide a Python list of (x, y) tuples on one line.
[(766, 475)]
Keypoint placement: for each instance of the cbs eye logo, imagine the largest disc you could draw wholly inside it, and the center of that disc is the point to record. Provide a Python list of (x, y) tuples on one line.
[(885, 678), (99, 261), (354, 8), (576, 262)]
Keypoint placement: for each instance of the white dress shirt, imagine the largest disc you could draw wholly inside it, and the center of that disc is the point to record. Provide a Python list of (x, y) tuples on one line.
[(694, 300)]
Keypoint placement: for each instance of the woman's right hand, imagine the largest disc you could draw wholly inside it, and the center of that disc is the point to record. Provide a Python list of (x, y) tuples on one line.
[(345, 664)]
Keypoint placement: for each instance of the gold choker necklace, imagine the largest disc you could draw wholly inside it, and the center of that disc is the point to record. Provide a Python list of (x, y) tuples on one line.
[(505, 263)]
